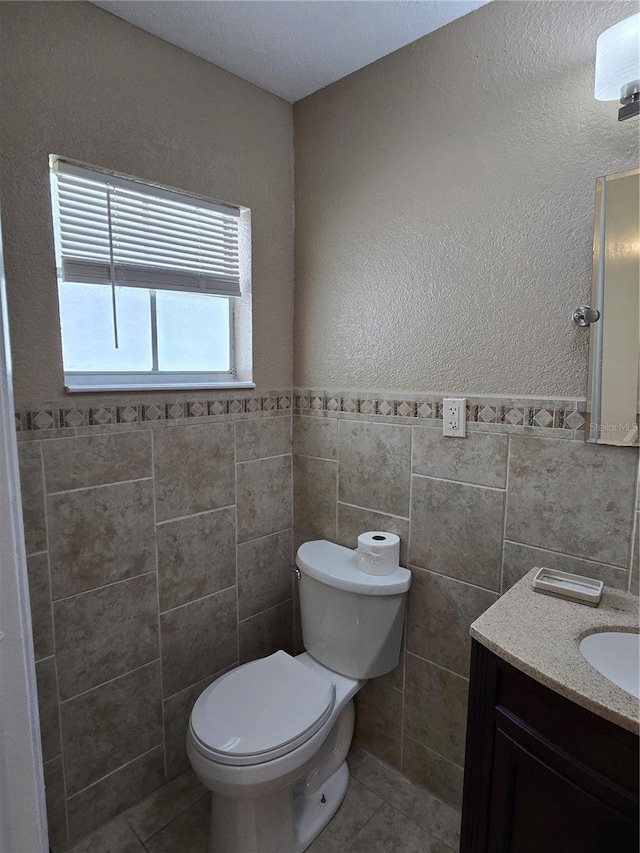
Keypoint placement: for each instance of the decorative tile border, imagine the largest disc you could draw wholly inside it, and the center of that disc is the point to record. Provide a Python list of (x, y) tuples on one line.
[(47, 419), (512, 414), (525, 414)]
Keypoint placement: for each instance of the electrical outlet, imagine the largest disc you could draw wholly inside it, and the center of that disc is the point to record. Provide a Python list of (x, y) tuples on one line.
[(454, 417)]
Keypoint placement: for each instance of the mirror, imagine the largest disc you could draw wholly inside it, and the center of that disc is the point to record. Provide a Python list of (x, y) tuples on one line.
[(613, 395)]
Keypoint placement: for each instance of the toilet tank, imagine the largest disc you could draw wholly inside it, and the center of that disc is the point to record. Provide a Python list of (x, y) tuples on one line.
[(351, 621)]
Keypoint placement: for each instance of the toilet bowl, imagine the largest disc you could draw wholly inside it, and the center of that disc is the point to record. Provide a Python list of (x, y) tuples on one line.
[(270, 738)]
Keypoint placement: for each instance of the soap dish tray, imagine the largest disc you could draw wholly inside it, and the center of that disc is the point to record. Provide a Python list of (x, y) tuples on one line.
[(565, 585)]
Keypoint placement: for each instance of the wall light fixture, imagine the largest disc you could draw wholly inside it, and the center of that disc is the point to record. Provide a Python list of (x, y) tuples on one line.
[(618, 66)]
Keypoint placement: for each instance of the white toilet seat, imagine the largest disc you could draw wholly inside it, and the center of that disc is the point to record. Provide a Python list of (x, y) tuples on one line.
[(261, 711)]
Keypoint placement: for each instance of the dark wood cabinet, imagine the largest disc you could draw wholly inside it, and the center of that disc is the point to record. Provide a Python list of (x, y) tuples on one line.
[(542, 774)]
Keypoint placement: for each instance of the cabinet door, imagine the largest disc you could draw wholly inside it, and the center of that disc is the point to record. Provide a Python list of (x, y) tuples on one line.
[(534, 809)]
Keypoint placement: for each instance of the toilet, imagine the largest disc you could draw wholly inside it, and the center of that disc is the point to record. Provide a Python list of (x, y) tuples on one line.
[(271, 737)]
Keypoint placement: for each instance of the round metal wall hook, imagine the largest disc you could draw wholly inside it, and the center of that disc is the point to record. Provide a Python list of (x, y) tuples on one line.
[(585, 315)]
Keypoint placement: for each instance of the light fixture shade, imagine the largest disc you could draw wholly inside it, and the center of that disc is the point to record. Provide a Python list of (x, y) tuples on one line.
[(617, 58)]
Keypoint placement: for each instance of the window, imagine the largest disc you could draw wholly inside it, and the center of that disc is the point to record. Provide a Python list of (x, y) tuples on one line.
[(150, 281)]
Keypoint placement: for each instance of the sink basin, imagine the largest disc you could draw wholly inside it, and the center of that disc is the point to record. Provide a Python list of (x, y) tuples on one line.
[(616, 655)]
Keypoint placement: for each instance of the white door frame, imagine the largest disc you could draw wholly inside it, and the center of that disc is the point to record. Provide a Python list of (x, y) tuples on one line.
[(23, 824)]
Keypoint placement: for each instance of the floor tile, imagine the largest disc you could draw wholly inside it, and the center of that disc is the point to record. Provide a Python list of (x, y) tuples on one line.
[(164, 805), (188, 833), (389, 831), (359, 805), (114, 837), (431, 814)]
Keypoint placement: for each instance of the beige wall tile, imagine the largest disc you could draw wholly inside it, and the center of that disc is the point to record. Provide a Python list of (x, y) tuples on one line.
[(93, 460), (634, 585), (520, 559), (480, 458), (315, 483), (429, 769), (162, 807), (267, 632), (435, 710), (106, 633), (456, 530), (256, 439), (298, 644), (441, 610), (264, 572), (198, 639), (128, 785), (572, 497), (177, 711), (32, 490), (196, 556), (48, 708), (100, 535), (264, 499), (379, 720), (111, 725), (40, 601), (352, 521), (315, 437), (56, 804), (194, 469), (375, 462)]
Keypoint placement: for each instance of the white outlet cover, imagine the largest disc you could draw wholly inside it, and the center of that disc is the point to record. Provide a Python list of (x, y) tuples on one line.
[(454, 417)]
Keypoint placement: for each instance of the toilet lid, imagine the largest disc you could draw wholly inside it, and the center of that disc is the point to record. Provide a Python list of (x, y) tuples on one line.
[(261, 710)]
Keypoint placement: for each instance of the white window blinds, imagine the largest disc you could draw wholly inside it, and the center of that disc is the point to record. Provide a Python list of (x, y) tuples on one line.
[(122, 232)]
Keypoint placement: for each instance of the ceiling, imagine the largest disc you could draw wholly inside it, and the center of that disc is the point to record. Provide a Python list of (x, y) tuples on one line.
[(290, 47)]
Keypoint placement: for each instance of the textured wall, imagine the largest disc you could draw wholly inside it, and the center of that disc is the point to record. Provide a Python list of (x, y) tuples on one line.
[(473, 516), (79, 82), (159, 555), (445, 203)]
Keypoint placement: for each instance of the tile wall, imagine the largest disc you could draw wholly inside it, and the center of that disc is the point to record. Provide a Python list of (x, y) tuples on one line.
[(160, 542), (159, 554), (474, 515)]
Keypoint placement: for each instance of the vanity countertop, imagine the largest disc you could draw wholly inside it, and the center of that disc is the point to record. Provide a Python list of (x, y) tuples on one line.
[(540, 635)]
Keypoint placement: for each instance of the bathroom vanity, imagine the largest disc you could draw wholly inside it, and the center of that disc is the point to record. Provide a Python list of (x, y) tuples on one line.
[(552, 745)]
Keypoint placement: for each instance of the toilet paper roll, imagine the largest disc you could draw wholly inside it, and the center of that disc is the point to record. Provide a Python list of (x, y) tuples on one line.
[(378, 552)]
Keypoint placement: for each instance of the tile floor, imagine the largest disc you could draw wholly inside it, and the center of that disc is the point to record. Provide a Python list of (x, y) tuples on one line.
[(382, 813)]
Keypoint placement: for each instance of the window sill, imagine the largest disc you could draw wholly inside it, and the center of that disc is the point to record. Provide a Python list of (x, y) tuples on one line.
[(70, 388)]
